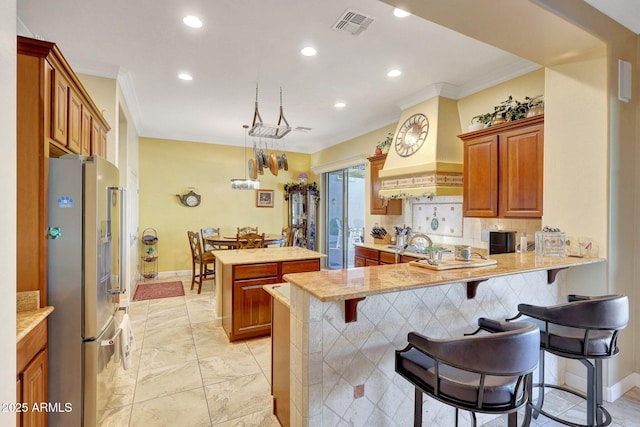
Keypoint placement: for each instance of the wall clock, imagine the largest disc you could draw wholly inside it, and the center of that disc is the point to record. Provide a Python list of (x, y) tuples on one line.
[(190, 199), (412, 135)]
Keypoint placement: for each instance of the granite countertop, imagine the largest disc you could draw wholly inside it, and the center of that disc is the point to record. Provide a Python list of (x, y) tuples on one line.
[(256, 256), (29, 314), (280, 291), (337, 285)]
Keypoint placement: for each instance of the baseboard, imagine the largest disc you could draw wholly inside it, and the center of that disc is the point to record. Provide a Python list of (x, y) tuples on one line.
[(165, 274), (609, 394)]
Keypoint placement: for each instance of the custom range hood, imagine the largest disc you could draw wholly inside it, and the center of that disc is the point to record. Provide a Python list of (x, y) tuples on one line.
[(435, 169)]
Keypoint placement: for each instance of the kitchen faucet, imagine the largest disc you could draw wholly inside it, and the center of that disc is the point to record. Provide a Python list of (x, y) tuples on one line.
[(400, 249)]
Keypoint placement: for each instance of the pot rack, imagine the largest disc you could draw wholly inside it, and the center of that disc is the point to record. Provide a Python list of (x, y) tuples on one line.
[(263, 130)]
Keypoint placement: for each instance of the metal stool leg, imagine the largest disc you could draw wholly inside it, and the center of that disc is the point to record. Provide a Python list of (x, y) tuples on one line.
[(540, 384), (417, 409)]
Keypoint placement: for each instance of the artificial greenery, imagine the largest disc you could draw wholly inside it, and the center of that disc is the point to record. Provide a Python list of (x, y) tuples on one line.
[(510, 109), (385, 144)]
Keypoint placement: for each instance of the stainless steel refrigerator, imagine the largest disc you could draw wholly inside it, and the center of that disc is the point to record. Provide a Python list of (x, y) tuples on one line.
[(86, 272)]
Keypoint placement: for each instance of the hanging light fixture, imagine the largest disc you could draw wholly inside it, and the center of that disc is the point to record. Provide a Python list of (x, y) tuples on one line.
[(246, 183)]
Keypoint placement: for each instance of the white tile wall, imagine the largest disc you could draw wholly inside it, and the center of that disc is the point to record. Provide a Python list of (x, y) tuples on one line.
[(329, 357)]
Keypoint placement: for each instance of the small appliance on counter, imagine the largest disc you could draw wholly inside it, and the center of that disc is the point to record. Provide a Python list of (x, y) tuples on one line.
[(502, 242)]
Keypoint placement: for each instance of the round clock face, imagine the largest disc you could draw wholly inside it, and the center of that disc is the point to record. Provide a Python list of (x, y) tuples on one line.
[(412, 135), (191, 200)]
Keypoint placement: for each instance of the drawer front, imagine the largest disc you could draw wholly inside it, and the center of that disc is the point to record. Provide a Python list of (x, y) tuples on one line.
[(406, 258), (370, 262), (367, 253), (387, 258), (300, 266), (255, 270)]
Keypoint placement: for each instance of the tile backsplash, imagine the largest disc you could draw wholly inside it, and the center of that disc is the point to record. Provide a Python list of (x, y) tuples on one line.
[(450, 227)]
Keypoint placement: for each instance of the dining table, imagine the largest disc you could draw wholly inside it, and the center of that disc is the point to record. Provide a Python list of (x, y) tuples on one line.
[(229, 242)]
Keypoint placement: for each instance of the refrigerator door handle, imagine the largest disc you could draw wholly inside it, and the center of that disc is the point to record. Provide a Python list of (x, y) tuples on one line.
[(121, 239)]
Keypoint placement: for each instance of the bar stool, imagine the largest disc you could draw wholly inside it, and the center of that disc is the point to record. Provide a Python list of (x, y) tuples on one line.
[(487, 373), (584, 329)]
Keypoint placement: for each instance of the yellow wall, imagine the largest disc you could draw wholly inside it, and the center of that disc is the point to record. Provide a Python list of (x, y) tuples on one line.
[(530, 84), (169, 167)]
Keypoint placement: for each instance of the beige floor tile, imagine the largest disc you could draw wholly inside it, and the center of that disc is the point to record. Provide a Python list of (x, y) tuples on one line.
[(229, 365), (261, 350), (168, 354), (238, 397), (257, 419), (121, 390), (167, 320), (116, 417), (167, 380), (211, 340), (187, 408), (174, 335)]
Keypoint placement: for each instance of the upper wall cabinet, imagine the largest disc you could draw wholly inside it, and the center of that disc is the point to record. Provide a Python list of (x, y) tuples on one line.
[(380, 206), (55, 116), (503, 170)]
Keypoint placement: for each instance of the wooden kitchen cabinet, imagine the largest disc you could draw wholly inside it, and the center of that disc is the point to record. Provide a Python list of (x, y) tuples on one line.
[(503, 170), (32, 378), (365, 257), (246, 306), (380, 206), (52, 108)]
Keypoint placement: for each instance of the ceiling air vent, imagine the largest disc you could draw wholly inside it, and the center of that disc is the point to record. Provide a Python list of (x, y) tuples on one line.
[(353, 22)]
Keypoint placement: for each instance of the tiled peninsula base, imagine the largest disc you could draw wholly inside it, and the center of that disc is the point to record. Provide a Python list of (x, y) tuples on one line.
[(343, 373)]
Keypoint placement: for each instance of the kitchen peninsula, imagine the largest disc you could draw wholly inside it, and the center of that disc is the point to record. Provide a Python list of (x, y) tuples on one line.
[(243, 307), (347, 324)]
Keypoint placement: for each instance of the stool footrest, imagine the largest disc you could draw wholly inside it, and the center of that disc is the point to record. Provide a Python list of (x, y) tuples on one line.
[(536, 409)]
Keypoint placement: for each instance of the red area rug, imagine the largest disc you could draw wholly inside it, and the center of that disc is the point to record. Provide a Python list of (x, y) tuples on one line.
[(147, 291)]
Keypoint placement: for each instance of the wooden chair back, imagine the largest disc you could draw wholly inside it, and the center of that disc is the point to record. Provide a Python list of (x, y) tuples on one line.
[(250, 240), (209, 232), (200, 258), (244, 230), (291, 236)]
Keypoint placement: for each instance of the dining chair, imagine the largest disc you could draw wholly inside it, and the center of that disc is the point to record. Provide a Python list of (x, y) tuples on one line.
[(209, 232), (290, 235), (250, 240), (247, 229), (202, 259)]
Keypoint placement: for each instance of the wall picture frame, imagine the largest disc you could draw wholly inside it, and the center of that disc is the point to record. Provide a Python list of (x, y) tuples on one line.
[(264, 198)]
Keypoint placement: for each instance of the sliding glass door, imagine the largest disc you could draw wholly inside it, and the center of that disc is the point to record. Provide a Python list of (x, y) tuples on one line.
[(345, 210)]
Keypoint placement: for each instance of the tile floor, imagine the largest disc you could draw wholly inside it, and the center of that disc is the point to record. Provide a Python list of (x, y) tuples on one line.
[(186, 373)]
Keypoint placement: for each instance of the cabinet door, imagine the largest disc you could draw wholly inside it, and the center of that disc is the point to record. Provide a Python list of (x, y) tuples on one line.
[(359, 261), (481, 177), (251, 306), (75, 122), (34, 390), (380, 206), (521, 169), (86, 128), (98, 140), (59, 108)]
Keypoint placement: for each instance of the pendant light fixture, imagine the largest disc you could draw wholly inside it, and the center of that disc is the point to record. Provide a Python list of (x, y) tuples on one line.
[(246, 183)]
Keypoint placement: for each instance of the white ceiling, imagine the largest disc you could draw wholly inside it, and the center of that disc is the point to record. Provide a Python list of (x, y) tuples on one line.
[(243, 42)]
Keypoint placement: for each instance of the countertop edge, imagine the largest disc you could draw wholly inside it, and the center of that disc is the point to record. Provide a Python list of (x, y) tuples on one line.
[(26, 321), (275, 294), (462, 275)]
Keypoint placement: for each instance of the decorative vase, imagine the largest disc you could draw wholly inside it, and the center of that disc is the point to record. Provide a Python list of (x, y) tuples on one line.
[(498, 121), (378, 151)]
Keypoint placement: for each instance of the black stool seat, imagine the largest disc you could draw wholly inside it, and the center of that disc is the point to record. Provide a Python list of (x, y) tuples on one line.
[(585, 328), (488, 373)]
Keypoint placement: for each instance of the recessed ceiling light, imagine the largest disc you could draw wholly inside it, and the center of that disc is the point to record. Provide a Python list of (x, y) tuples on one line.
[(340, 104), (185, 76), (308, 51), (192, 21), (400, 13), (394, 73)]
